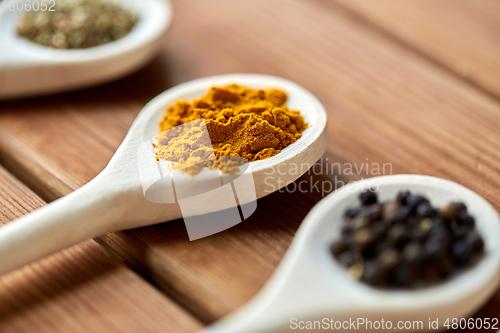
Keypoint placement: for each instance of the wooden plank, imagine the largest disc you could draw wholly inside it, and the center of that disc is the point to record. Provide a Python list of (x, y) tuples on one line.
[(81, 289), (385, 103), (215, 275), (461, 35)]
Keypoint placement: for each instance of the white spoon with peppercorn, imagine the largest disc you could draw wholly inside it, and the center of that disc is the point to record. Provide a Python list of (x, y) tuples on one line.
[(440, 268), (49, 46)]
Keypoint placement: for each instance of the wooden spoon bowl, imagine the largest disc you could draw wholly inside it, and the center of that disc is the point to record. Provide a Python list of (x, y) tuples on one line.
[(115, 199), (309, 284), (29, 69)]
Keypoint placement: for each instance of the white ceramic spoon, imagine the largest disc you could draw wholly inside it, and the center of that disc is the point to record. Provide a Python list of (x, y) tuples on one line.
[(114, 200), (28, 69), (310, 285)]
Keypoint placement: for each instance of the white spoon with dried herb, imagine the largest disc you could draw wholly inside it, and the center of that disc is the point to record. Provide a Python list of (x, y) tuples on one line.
[(310, 285), (49, 46), (116, 198)]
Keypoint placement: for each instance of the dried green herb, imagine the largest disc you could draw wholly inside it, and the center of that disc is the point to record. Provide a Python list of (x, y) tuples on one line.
[(77, 24)]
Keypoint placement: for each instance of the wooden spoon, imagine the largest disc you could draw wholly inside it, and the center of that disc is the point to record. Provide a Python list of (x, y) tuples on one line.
[(115, 199), (28, 69), (310, 285)]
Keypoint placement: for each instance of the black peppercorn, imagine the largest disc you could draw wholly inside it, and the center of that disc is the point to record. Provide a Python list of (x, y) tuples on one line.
[(363, 238), (346, 228), (452, 211), (425, 210), (413, 253), (397, 235), (372, 273), (405, 240), (403, 275), (402, 197), (429, 272), (360, 223), (384, 203), (461, 251), (460, 206), (380, 228), (476, 242), (420, 234), (348, 239), (465, 219), (434, 249), (368, 198), (445, 267), (347, 258), (437, 223), (400, 215), (338, 247), (460, 232), (370, 213), (351, 213), (388, 259), (389, 210), (413, 201)]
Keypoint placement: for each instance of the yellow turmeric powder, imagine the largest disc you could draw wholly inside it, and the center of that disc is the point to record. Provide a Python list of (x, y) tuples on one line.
[(247, 124)]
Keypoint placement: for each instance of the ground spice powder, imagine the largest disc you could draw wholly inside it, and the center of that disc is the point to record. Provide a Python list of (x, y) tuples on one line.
[(246, 124)]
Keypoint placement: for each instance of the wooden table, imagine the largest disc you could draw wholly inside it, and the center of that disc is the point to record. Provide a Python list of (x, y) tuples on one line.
[(413, 83)]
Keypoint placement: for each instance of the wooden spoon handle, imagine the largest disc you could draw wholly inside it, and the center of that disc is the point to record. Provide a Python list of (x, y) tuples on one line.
[(85, 213)]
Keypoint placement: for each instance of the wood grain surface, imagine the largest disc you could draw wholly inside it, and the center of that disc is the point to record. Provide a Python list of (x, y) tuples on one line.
[(460, 35), (387, 104), (81, 289)]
